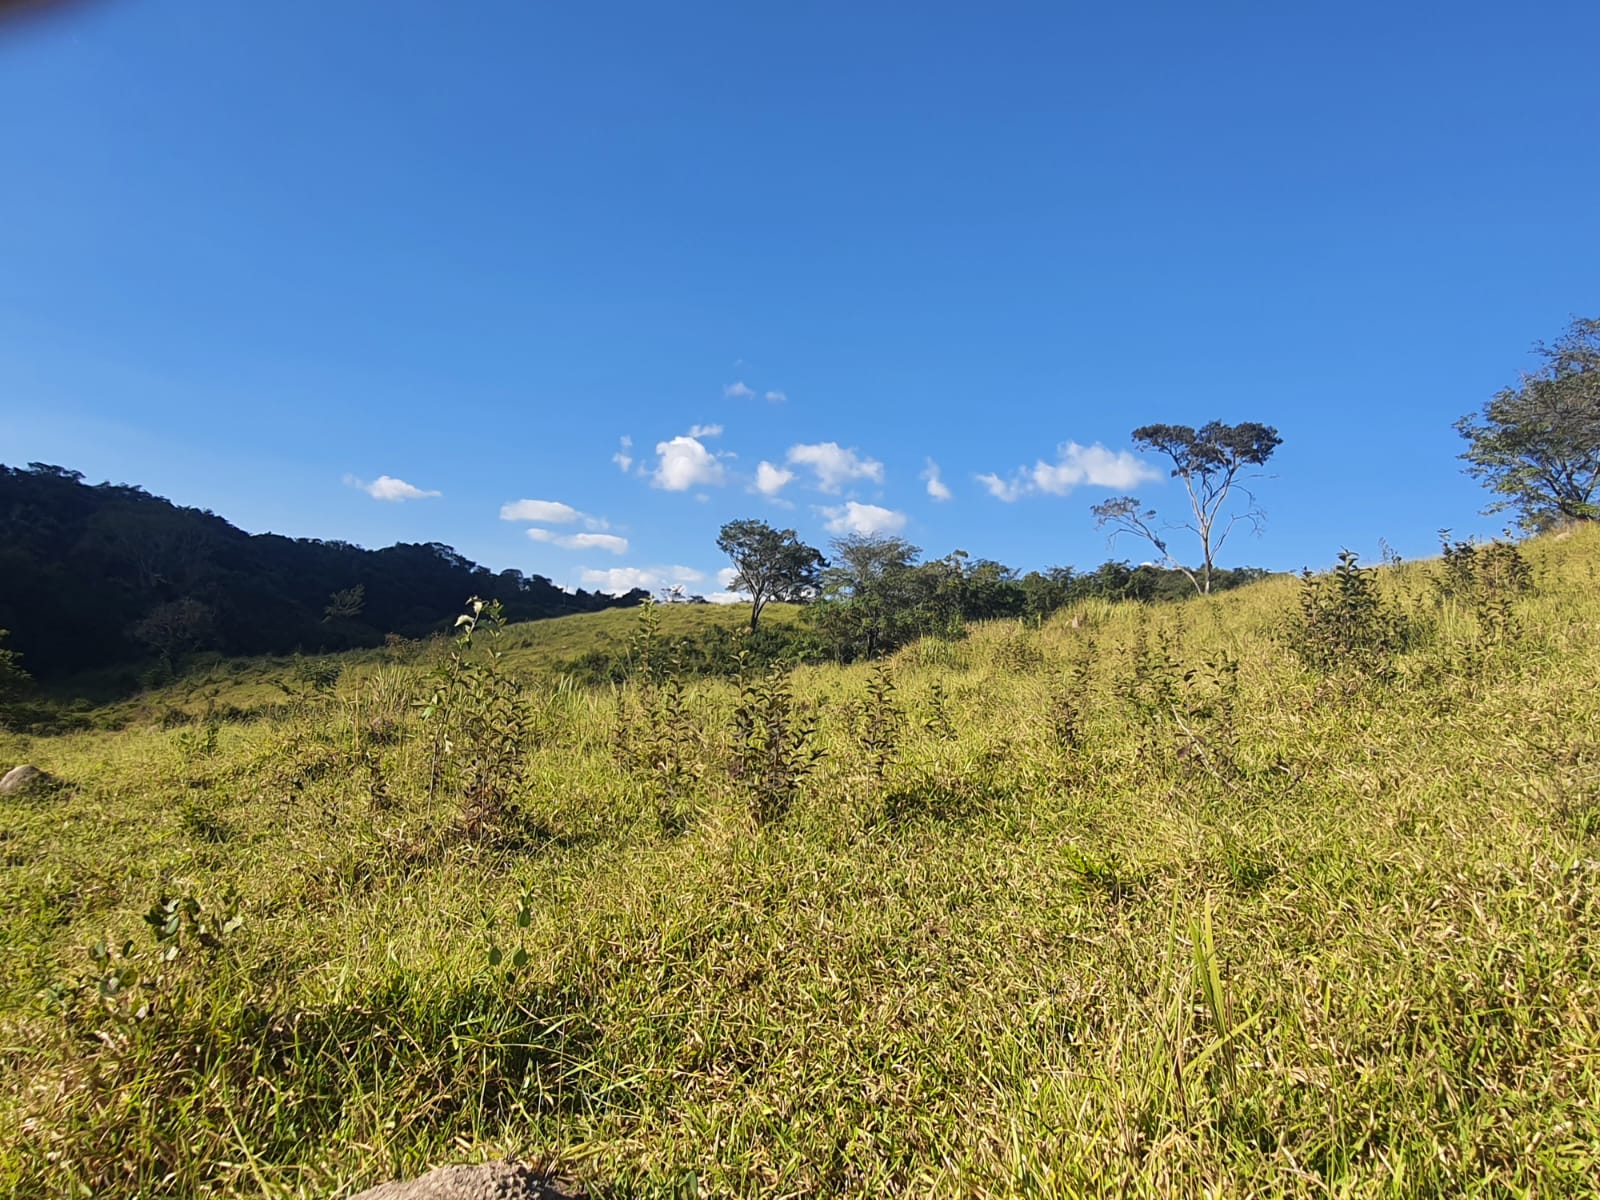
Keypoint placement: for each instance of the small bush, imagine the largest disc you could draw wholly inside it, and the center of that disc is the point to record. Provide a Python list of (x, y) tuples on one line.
[(1344, 623), (773, 743)]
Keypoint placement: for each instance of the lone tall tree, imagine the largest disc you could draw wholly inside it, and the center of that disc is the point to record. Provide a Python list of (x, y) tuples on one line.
[(1538, 444), (1213, 462), (772, 564)]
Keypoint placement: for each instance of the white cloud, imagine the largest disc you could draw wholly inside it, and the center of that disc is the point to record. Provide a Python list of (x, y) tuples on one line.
[(622, 458), (738, 391), (834, 465), (936, 486), (1075, 465), (618, 580), (770, 479), (865, 519), (776, 397), (387, 487), (705, 431), (683, 463), (551, 512), (1000, 489), (554, 512), (597, 541), (581, 541), (727, 575), (727, 598)]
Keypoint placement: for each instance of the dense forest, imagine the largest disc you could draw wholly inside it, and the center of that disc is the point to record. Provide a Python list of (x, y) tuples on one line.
[(95, 576)]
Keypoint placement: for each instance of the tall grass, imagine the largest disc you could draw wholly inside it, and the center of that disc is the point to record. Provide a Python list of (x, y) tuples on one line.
[(1135, 904)]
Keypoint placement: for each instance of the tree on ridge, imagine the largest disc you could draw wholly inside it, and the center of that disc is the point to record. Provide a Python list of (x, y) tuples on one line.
[(1213, 462), (769, 564), (1538, 444)]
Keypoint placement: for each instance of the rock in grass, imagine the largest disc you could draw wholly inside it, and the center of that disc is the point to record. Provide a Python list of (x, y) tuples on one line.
[(22, 779), (491, 1181)]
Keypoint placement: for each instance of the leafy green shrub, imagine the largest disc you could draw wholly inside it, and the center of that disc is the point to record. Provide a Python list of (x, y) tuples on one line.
[(481, 724), (656, 739), (773, 743), (1344, 623), (1490, 577), (879, 724), (1067, 703)]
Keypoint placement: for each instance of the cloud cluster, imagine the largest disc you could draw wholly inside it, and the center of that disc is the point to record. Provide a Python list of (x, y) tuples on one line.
[(937, 487), (624, 457), (619, 580), (833, 465), (387, 487), (863, 519), (1075, 465), (554, 512)]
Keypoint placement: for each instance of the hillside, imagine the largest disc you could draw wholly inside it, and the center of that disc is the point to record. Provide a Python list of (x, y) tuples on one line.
[(536, 651), (107, 576), (1190, 899)]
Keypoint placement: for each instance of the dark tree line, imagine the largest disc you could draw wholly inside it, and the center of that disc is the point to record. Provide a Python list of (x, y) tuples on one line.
[(95, 576)]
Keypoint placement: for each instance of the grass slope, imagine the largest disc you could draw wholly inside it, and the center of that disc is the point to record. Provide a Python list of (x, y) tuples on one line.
[(532, 648), (1104, 925)]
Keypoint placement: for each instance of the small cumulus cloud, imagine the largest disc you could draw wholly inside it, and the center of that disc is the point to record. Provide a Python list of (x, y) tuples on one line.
[(387, 487), (597, 541), (620, 580), (743, 391), (937, 487), (863, 519), (683, 463), (1000, 489), (771, 479), (834, 465), (549, 512), (1075, 466), (705, 431), (725, 593), (581, 541), (554, 512), (623, 458)]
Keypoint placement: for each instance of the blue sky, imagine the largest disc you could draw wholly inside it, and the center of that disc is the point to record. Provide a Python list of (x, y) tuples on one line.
[(254, 257)]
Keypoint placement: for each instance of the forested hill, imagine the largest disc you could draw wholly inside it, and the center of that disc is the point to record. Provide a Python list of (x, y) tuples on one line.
[(100, 575)]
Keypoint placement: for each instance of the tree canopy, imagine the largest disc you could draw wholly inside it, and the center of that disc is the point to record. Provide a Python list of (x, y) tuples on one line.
[(1212, 461), (769, 564), (1537, 445)]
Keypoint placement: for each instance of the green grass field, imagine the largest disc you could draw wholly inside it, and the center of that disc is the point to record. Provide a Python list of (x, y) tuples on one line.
[(533, 648), (1134, 904)]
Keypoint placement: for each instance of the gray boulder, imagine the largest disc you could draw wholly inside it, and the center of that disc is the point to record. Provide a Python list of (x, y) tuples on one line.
[(22, 779), (491, 1181)]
